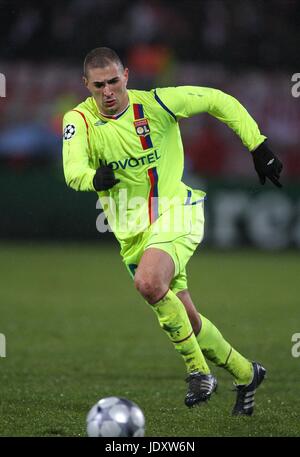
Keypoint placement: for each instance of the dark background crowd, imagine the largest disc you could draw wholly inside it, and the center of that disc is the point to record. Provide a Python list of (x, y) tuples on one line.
[(242, 34)]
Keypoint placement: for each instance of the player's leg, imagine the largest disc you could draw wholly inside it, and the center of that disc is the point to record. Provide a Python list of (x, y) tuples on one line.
[(247, 375), (214, 346), (152, 279)]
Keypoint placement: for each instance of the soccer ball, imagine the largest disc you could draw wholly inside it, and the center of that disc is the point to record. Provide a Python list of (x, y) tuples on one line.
[(115, 416)]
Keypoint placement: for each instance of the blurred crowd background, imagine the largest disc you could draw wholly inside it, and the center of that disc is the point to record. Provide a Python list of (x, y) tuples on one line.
[(248, 48)]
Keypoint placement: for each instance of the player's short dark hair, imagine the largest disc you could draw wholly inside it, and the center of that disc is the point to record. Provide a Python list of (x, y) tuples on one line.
[(101, 58)]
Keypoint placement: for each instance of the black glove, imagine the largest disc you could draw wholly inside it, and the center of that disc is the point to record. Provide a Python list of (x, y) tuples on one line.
[(267, 165), (104, 178)]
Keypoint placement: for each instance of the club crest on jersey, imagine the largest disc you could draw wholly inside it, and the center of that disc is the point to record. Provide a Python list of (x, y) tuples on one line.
[(142, 127)]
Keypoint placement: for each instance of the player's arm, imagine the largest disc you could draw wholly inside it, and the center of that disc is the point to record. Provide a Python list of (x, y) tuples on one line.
[(76, 150), (77, 170), (187, 101)]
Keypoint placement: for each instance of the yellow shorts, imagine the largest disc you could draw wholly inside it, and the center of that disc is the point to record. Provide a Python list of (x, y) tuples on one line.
[(178, 232)]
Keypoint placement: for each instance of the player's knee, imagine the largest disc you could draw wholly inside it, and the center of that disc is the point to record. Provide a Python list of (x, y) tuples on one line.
[(152, 290)]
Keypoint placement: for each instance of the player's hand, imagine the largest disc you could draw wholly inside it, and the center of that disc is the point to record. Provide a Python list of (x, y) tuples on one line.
[(104, 178), (267, 165)]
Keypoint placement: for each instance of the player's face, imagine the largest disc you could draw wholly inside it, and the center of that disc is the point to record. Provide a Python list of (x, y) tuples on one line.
[(108, 87)]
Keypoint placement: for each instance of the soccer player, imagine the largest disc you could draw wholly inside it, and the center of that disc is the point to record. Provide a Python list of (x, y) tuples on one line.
[(126, 145)]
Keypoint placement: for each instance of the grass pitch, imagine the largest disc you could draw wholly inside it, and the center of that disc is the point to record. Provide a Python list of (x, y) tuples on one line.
[(76, 331)]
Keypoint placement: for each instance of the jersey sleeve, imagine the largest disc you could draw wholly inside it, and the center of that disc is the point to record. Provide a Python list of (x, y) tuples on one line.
[(187, 101), (78, 173)]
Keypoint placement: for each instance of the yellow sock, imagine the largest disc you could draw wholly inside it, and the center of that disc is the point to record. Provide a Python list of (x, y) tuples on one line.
[(174, 320), (218, 350)]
